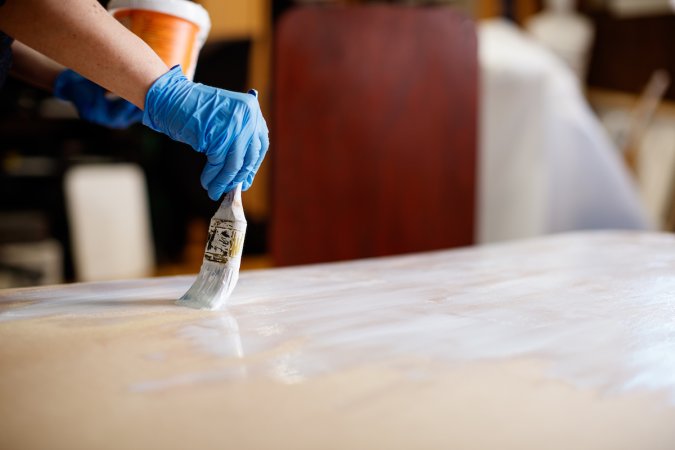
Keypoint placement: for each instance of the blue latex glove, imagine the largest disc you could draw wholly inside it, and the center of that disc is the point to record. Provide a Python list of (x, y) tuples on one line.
[(92, 104), (226, 126)]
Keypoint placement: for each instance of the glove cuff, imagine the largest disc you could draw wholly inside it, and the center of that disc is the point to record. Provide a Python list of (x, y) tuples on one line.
[(61, 84), (155, 97)]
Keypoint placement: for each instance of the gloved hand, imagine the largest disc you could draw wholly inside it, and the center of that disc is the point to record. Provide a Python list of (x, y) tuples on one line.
[(91, 102), (226, 126)]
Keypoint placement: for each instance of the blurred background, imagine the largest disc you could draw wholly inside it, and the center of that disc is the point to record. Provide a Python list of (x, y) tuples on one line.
[(565, 120)]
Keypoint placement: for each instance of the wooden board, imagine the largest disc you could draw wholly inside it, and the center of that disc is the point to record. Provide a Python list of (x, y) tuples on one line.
[(374, 132), (559, 343)]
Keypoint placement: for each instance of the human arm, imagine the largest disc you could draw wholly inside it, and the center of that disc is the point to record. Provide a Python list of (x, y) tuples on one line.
[(81, 35), (227, 127), (33, 67), (90, 99)]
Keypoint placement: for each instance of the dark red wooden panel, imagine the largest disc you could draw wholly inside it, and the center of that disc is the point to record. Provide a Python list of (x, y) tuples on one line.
[(374, 132)]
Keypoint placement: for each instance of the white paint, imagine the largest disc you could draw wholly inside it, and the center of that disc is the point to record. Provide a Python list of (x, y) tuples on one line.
[(581, 322), (567, 308), (103, 298), (558, 300), (219, 273)]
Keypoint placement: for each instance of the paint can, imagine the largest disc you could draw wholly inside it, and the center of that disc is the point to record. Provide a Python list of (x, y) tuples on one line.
[(174, 29)]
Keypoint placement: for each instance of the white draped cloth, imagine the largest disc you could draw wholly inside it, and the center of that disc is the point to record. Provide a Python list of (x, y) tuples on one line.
[(546, 163)]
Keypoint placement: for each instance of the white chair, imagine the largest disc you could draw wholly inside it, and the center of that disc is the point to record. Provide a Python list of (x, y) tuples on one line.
[(109, 222)]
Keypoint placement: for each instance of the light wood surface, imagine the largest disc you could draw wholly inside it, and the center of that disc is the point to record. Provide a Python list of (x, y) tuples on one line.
[(564, 342)]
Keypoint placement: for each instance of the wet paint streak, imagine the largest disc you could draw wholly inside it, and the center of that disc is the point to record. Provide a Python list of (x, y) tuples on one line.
[(595, 310)]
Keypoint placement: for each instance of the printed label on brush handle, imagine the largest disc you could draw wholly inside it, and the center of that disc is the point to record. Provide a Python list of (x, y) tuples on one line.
[(226, 241)]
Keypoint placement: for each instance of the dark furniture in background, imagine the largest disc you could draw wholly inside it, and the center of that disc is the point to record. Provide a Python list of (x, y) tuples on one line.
[(627, 50), (374, 131)]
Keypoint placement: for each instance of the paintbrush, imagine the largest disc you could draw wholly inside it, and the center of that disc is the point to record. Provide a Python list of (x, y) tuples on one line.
[(222, 257)]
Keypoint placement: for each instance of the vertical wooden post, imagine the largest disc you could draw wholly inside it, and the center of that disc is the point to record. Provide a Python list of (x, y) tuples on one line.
[(526, 8), (257, 198), (485, 9)]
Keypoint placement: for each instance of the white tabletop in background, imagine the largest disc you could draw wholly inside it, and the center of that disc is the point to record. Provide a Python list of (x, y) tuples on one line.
[(566, 342)]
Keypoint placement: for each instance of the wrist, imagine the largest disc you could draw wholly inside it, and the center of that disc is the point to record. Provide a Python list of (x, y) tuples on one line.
[(171, 88)]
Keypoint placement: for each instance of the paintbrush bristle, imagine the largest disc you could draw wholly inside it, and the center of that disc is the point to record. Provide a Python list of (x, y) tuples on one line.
[(212, 288), (220, 269)]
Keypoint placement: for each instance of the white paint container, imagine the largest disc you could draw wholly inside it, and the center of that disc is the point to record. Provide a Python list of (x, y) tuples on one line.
[(175, 29)]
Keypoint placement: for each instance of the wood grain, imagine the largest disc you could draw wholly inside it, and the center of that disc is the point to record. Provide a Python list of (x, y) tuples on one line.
[(555, 343), (374, 132)]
